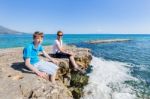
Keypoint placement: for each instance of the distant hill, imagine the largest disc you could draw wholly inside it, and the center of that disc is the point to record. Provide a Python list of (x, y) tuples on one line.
[(4, 30)]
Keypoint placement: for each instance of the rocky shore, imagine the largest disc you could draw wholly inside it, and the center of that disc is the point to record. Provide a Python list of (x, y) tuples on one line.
[(17, 82)]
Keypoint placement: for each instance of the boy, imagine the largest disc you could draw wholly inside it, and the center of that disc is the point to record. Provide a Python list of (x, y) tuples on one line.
[(40, 67)]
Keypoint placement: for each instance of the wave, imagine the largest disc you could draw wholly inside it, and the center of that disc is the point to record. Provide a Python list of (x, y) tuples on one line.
[(107, 81)]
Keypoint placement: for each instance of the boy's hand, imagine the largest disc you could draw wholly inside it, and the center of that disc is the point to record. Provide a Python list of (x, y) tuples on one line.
[(42, 74)]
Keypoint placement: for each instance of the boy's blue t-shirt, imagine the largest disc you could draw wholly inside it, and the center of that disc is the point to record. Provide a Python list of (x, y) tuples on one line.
[(31, 52)]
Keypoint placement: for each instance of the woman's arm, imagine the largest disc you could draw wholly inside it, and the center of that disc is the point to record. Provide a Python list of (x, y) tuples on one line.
[(61, 49)]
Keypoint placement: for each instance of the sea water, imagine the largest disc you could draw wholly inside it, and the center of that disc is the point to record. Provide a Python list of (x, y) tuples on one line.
[(121, 70)]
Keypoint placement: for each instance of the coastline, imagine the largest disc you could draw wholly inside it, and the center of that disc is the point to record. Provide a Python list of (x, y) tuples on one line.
[(14, 76), (110, 83)]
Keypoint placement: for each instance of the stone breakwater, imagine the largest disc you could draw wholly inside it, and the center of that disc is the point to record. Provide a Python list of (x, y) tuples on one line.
[(107, 41), (17, 82)]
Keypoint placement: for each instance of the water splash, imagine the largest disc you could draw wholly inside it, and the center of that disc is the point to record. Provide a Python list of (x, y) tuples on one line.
[(107, 81)]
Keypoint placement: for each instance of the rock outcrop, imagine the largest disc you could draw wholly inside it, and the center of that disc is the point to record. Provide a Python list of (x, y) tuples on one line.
[(17, 82)]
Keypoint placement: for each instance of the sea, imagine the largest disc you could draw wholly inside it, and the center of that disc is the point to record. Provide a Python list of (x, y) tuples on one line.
[(120, 70)]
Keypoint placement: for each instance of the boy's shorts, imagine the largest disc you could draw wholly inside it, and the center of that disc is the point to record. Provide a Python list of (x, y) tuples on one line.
[(47, 67)]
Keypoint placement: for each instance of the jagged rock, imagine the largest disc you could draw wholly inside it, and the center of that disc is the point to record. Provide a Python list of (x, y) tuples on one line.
[(17, 82)]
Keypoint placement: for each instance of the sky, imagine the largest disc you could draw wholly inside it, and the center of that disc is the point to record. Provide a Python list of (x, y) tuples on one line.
[(77, 16)]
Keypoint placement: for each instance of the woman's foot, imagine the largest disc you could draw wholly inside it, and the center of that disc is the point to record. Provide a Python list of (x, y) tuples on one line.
[(81, 70)]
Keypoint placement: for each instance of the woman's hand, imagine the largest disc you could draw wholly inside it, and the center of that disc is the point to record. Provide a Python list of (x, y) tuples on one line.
[(55, 61), (71, 53)]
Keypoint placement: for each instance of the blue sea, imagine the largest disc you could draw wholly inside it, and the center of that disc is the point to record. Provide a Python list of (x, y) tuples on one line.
[(121, 70)]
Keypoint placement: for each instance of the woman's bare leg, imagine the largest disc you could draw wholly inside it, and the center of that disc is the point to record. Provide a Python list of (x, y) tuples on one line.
[(75, 65), (73, 62)]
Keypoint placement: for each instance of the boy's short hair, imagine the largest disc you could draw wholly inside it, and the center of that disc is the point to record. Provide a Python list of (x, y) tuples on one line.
[(37, 33)]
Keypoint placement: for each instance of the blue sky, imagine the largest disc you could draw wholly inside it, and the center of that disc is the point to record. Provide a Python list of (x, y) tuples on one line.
[(76, 16)]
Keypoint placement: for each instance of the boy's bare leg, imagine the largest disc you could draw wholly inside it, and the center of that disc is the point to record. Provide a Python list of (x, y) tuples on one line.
[(52, 78), (47, 77)]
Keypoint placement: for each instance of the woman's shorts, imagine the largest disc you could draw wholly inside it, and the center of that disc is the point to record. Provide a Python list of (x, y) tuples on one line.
[(62, 55)]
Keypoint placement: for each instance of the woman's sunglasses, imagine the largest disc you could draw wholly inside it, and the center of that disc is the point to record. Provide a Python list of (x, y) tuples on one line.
[(60, 35)]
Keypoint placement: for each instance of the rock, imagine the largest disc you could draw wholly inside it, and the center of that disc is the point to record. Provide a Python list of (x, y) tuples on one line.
[(17, 77), (77, 93), (107, 41), (18, 82), (78, 81)]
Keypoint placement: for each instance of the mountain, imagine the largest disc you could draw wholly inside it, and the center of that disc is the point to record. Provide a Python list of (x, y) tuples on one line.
[(4, 30)]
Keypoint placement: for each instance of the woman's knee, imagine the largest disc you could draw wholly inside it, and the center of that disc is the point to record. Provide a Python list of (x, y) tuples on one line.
[(71, 57)]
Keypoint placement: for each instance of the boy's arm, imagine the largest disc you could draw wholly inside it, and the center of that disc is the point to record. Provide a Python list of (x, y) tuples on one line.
[(50, 58), (31, 67)]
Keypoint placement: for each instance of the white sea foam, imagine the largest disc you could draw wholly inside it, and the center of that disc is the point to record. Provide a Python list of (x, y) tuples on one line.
[(107, 81)]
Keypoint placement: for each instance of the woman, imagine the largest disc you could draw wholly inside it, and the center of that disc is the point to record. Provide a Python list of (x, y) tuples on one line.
[(60, 52)]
